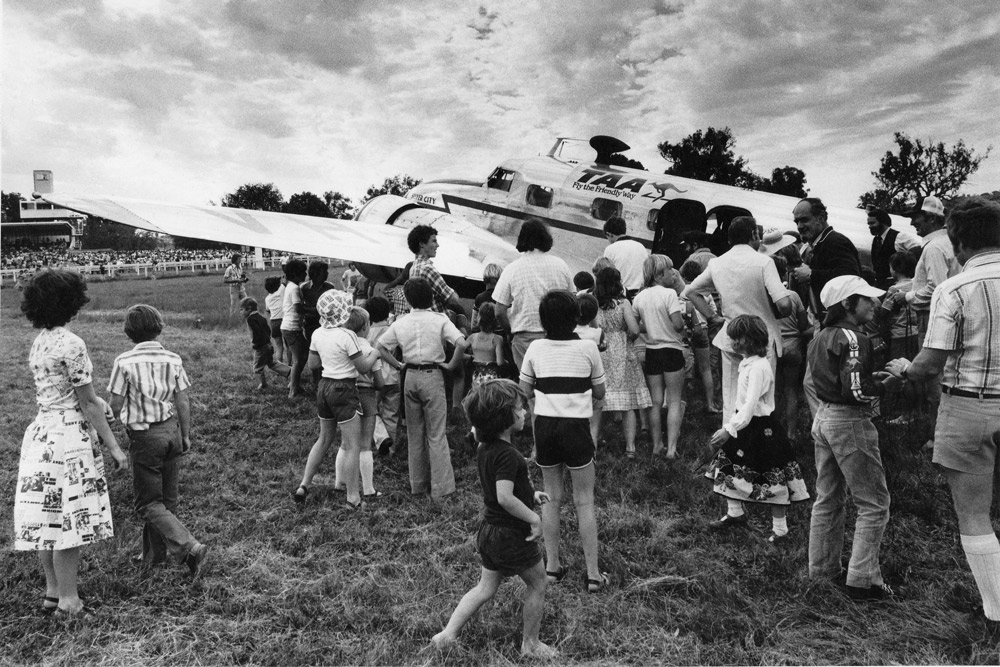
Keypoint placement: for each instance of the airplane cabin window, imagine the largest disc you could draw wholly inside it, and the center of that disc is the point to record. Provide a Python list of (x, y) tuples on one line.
[(539, 195), (651, 219), (500, 179), (602, 209)]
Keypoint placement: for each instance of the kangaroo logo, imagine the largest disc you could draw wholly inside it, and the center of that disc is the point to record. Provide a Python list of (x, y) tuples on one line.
[(662, 188)]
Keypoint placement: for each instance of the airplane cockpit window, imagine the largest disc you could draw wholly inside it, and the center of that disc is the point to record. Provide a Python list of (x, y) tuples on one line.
[(500, 179), (651, 219), (539, 195), (602, 209)]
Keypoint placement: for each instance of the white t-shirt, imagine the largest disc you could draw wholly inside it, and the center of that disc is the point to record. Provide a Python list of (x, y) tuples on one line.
[(653, 306), (291, 320), (275, 303), (628, 256), (335, 348)]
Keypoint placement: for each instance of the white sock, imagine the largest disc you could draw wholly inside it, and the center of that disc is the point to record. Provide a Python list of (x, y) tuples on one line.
[(983, 554), (735, 508), (779, 526), (367, 470), (339, 481)]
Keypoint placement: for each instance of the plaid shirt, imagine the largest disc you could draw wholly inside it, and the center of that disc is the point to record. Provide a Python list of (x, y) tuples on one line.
[(424, 268), (147, 376), (964, 320), (524, 282)]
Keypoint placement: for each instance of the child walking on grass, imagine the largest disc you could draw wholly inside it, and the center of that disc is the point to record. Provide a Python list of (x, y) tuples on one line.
[(148, 388), (566, 376), (755, 463), (260, 340), (508, 534), (339, 353)]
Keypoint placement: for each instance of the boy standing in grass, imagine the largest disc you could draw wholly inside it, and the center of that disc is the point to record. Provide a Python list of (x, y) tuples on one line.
[(508, 533), (148, 388), (263, 351)]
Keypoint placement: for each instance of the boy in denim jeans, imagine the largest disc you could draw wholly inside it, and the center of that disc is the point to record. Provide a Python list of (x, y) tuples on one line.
[(149, 394), (847, 452)]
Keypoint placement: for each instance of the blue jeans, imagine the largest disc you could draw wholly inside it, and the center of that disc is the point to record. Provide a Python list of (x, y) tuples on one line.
[(155, 466), (847, 458)]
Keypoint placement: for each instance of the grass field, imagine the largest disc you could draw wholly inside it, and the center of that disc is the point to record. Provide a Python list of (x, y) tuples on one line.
[(322, 585)]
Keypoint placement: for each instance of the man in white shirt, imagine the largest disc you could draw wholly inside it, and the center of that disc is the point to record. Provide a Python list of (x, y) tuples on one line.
[(627, 255), (748, 284)]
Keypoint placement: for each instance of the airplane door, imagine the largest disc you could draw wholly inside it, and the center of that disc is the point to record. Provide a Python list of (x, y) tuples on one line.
[(497, 198), (676, 217), (724, 215)]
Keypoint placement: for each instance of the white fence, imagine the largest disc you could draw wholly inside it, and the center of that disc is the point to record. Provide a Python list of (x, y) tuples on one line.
[(147, 269)]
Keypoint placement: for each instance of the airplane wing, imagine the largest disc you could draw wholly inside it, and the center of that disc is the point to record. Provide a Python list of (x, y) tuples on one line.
[(464, 249)]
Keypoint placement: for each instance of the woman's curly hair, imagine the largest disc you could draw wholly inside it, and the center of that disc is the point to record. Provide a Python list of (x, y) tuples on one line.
[(53, 297)]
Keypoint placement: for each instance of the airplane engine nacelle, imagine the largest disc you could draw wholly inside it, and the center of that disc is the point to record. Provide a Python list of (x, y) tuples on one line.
[(464, 249)]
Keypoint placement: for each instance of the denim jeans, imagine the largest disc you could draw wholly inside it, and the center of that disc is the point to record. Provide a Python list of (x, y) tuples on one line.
[(847, 458), (155, 466)]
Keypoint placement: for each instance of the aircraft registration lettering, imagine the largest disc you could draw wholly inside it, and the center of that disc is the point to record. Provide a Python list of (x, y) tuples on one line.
[(424, 199)]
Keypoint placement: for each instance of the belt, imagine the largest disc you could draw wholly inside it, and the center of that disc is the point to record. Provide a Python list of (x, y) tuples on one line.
[(951, 391), (422, 367)]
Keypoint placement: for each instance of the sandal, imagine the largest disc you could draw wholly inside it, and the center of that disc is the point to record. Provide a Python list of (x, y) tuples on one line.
[(49, 604), (360, 505), (558, 575), (300, 497), (597, 585)]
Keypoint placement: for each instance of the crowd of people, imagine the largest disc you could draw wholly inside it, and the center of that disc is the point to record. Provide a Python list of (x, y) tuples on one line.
[(37, 258), (549, 351)]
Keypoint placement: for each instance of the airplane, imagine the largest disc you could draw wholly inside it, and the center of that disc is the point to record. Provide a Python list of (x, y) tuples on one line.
[(575, 192), (478, 221)]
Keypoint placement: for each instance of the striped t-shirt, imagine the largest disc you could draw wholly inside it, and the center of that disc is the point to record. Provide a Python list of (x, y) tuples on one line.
[(148, 376), (562, 373)]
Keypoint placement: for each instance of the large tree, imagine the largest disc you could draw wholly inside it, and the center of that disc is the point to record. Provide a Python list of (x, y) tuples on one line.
[(11, 206), (255, 196), (918, 169), (710, 155), (399, 184), (339, 205), (306, 203)]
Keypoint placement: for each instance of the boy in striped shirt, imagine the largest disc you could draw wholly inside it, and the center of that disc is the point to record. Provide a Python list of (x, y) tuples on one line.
[(148, 388), (566, 375)]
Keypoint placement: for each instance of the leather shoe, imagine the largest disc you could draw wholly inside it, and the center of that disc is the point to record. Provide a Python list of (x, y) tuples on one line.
[(195, 560), (728, 521)]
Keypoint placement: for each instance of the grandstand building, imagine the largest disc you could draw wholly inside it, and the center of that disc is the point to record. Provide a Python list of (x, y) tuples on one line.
[(41, 223)]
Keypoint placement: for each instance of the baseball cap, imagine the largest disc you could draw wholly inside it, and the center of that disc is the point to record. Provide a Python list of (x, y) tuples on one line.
[(841, 287), (334, 307), (774, 240), (929, 204)]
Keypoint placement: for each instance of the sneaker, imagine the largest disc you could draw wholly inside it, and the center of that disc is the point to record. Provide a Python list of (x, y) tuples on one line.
[(195, 560), (871, 594), (728, 521)]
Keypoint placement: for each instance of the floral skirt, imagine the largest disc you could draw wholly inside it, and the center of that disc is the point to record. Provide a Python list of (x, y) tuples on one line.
[(758, 466), (481, 372), (61, 500)]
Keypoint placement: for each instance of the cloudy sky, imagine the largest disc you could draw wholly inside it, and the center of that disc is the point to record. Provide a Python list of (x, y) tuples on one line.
[(185, 100)]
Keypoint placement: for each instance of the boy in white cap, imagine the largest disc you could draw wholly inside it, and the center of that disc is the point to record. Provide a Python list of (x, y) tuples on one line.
[(847, 452)]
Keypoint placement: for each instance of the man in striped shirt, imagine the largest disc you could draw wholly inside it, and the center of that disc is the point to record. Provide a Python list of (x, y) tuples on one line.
[(148, 388), (962, 345)]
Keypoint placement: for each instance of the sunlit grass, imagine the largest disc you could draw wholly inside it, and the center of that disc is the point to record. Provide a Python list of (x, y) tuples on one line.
[(322, 585)]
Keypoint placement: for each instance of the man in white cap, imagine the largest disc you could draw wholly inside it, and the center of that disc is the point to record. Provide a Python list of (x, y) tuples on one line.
[(937, 263), (962, 347), (846, 442)]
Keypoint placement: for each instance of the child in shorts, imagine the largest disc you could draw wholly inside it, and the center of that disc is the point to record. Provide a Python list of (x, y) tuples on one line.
[(508, 533), (148, 389), (263, 350), (274, 303), (566, 375)]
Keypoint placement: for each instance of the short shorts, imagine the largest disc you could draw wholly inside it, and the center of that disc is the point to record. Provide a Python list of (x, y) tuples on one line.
[(563, 441), (662, 360), (338, 399), (263, 358), (369, 401), (503, 549), (967, 434)]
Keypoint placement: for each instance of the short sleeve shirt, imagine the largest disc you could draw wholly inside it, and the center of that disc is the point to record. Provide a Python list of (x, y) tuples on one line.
[(423, 268), (421, 335), (59, 363), (148, 377), (654, 306), (498, 461), (563, 373), (524, 282), (290, 319), (336, 349)]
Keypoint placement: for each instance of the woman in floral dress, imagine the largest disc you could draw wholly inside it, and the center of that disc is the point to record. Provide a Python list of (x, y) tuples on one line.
[(626, 387), (61, 502)]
